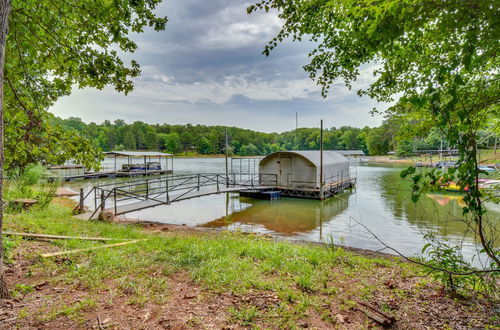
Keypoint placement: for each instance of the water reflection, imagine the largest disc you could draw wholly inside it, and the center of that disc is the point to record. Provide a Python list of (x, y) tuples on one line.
[(438, 212), (286, 216)]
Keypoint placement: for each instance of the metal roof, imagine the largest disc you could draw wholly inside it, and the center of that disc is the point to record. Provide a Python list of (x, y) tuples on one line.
[(137, 154), (314, 156), (351, 152)]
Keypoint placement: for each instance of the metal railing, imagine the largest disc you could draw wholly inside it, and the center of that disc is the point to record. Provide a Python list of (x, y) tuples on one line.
[(167, 189)]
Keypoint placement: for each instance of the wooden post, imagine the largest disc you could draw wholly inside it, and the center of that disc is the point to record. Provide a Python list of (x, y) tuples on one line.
[(321, 184), (82, 207)]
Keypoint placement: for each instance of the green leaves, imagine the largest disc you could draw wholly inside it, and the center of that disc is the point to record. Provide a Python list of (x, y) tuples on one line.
[(54, 46)]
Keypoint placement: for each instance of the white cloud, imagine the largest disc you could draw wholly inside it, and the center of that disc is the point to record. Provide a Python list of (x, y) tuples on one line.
[(233, 28), (162, 87)]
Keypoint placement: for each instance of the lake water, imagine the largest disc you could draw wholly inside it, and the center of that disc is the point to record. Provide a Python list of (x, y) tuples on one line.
[(380, 200)]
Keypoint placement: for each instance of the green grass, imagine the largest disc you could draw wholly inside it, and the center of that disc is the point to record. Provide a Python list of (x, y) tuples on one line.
[(299, 275)]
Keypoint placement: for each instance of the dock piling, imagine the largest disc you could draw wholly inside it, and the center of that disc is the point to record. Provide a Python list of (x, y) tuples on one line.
[(81, 201)]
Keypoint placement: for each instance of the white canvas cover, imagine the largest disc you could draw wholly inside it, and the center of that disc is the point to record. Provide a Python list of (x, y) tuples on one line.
[(295, 169)]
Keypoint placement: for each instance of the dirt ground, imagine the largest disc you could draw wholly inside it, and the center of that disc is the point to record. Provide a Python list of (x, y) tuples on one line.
[(191, 306)]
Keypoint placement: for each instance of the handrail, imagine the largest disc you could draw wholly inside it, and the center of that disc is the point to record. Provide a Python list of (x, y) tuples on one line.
[(85, 197), (153, 189)]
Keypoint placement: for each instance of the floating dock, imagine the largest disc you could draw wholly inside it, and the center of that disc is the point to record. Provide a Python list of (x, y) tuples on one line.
[(267, 194)]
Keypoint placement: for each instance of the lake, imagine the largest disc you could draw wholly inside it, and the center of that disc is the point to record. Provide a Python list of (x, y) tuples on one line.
[(380, 200)]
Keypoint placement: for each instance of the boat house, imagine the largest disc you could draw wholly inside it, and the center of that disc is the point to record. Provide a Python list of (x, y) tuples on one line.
[(141, 162), (306, 173)]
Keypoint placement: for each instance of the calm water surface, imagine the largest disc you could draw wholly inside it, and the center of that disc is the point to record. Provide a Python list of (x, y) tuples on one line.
[(381, 201)]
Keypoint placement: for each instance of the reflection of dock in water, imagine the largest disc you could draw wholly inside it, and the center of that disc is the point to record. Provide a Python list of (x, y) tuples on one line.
[(284, 216)]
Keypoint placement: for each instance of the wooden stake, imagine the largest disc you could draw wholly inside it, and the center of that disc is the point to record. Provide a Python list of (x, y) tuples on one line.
[(55, 254)]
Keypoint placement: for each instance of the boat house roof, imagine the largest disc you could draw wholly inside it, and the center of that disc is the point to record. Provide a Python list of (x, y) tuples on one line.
[(137, 154), (314, 156)]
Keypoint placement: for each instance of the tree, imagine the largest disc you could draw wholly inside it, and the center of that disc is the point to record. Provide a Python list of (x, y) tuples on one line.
[(437, 57), (377, 142), (55, 45), (151, 140), (129, 140)]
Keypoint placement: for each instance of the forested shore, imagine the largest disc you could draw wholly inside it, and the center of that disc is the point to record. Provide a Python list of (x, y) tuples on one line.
[(210, 140)]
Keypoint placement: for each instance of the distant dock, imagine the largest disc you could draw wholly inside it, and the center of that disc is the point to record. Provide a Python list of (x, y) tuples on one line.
[(108, 174), (153, 163)]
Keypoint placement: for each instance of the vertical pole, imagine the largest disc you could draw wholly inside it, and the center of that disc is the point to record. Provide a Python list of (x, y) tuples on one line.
[(114, 197), (103, 201), (217, 176), (227, 205), (198, 181), (227, 153), (321, 186), (321, 219), (81, 201), (145, 167), (115, 164), (147, 189), (166, 189)]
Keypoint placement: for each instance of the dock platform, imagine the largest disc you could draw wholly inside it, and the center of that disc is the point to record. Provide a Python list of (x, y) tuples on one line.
[(108, 174)]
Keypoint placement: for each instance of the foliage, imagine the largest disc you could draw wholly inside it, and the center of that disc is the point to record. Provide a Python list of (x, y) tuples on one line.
[(442, 255), (436, 58), (211, 139), (29, 183), (53, 47)]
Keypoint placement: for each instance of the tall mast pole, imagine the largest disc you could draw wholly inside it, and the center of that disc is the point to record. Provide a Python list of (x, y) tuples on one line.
[(321, 192), (227, 153)]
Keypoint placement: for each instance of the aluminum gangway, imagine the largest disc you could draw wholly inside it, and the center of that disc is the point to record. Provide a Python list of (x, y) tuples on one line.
[(124, 197)]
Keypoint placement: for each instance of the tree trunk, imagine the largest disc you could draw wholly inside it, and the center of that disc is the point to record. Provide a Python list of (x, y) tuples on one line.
[(5, 6)]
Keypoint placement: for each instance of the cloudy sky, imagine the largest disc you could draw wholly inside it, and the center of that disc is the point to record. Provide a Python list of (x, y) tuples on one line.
[(207, 68)]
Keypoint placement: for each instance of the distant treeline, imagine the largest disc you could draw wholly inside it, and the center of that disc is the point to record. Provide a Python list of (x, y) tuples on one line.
[(209, 140)]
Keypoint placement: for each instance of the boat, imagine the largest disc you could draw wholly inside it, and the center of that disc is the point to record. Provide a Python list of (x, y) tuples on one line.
[(486, 168), (150, 166)]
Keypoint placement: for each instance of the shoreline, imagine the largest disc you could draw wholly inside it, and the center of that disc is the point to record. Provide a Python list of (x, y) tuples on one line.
[(166, 227)]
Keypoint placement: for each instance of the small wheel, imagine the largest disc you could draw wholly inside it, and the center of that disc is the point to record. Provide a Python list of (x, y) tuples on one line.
[(106, 216)]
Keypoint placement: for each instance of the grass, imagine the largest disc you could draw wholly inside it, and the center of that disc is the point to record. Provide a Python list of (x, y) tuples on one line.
[(302, 277)]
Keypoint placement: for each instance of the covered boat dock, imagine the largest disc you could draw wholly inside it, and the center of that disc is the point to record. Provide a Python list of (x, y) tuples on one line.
[(150, 163)]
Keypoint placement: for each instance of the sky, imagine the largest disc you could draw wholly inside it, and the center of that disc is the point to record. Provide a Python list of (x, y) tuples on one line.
[(207, 68)]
